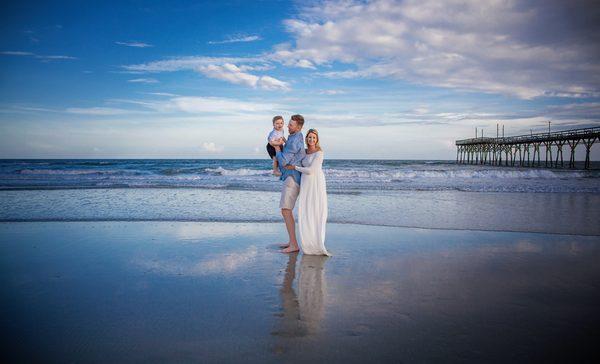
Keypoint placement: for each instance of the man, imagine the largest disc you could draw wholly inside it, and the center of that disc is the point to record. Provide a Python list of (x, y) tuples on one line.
[(292, 154)]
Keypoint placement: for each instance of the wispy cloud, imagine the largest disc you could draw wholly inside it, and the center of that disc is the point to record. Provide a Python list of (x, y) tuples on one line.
[(143, 80), (99, 111), (234, 70), (40, 57), (332, 92), (31, 35), (26, 109), (17, 53), (237, 39), (167, 94), (191, 104), (233, 74), (57, 57), (178, 104), (135, 44), (188, 63)]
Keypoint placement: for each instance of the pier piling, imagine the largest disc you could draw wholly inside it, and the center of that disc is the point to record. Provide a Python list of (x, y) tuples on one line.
[(485, 150)]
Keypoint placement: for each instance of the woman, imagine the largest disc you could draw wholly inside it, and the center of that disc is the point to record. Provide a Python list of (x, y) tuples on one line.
[(312, 201)]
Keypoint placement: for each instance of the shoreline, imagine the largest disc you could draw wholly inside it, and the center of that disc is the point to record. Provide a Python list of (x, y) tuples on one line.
[(547, 213), (281, 222)]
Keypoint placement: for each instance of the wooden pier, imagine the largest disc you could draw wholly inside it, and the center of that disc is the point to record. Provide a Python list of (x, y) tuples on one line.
[(524, 150)]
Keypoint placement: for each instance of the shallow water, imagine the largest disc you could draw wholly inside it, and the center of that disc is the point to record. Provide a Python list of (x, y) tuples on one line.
[(567, 213), (213, 292)]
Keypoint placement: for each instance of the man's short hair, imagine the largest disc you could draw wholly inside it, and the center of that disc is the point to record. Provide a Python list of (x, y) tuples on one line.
[(275, 118), (299, 119)]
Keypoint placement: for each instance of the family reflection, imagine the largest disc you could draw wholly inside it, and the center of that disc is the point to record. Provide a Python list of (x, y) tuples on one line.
[(302, 313)]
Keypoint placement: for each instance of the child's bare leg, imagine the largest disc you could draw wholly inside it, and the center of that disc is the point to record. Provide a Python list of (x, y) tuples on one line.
[(276, 167)]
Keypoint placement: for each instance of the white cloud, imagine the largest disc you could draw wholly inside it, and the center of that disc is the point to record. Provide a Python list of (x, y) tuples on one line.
[(99, 111), (211, 147), (332, 92), (271, 83), (135, 44), (230, 69), (57, 57), (239, 39), (188, 63), (230, 73), (41, 57), (182, 104), (500, 47), (143, 80), (17, 53), (167, 94), (233, 74), (215, 105)]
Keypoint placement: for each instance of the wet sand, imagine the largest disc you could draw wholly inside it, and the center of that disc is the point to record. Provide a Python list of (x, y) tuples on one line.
[(220, 292)]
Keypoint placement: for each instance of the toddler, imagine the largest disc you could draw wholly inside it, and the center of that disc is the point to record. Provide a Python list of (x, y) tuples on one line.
[(275, 138)]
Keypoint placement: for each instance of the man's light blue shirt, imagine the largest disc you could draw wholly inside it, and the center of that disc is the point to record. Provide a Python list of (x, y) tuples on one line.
[(293, 152)]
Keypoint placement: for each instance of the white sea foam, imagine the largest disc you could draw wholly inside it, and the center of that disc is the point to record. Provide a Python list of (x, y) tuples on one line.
[(458, 173), (68, 171), (238, 172)]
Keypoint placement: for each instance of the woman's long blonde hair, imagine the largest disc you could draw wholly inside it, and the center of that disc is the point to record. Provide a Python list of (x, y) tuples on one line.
[(316, 133)]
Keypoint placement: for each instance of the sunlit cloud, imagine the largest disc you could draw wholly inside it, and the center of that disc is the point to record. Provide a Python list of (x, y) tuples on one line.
[(229, 69), (450, 44)]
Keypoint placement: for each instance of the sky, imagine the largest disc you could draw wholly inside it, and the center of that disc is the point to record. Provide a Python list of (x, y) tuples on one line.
[(378, 79)]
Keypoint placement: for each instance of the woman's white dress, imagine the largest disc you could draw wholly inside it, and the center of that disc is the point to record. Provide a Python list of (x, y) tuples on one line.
[(312, 205)]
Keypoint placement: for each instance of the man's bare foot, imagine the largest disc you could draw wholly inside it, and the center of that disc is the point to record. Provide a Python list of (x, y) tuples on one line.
[(277, 173), (283, 246), (290, 250)]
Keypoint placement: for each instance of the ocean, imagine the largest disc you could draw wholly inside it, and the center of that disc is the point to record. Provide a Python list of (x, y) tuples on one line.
[(251, 174), (429, 194)]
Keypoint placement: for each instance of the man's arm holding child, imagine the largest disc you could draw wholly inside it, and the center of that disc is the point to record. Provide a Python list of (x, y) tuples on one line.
[(275, 142), (291, 149)]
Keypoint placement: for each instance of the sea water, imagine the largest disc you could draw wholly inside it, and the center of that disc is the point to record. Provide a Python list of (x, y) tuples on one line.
[(430, 194), (342, 175)]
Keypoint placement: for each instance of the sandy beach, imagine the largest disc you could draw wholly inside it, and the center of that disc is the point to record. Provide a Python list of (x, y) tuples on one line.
[(220, 292)]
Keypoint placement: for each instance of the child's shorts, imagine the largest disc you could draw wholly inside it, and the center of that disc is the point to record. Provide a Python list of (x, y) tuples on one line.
[(271, 150)]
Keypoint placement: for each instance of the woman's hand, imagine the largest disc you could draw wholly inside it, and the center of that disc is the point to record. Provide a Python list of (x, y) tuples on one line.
[(290, 167)]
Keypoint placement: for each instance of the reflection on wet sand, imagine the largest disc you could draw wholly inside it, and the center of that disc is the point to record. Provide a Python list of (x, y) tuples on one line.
[(134, 292), (302, 313)]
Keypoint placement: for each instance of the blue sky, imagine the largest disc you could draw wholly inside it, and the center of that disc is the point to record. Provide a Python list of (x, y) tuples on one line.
[(379, 79)]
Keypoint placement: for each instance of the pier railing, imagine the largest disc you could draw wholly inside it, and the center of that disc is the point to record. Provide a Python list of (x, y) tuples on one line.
[(491, 150)]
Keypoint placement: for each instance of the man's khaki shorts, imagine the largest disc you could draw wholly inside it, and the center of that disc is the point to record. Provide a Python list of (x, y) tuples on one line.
[(289, 194)]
